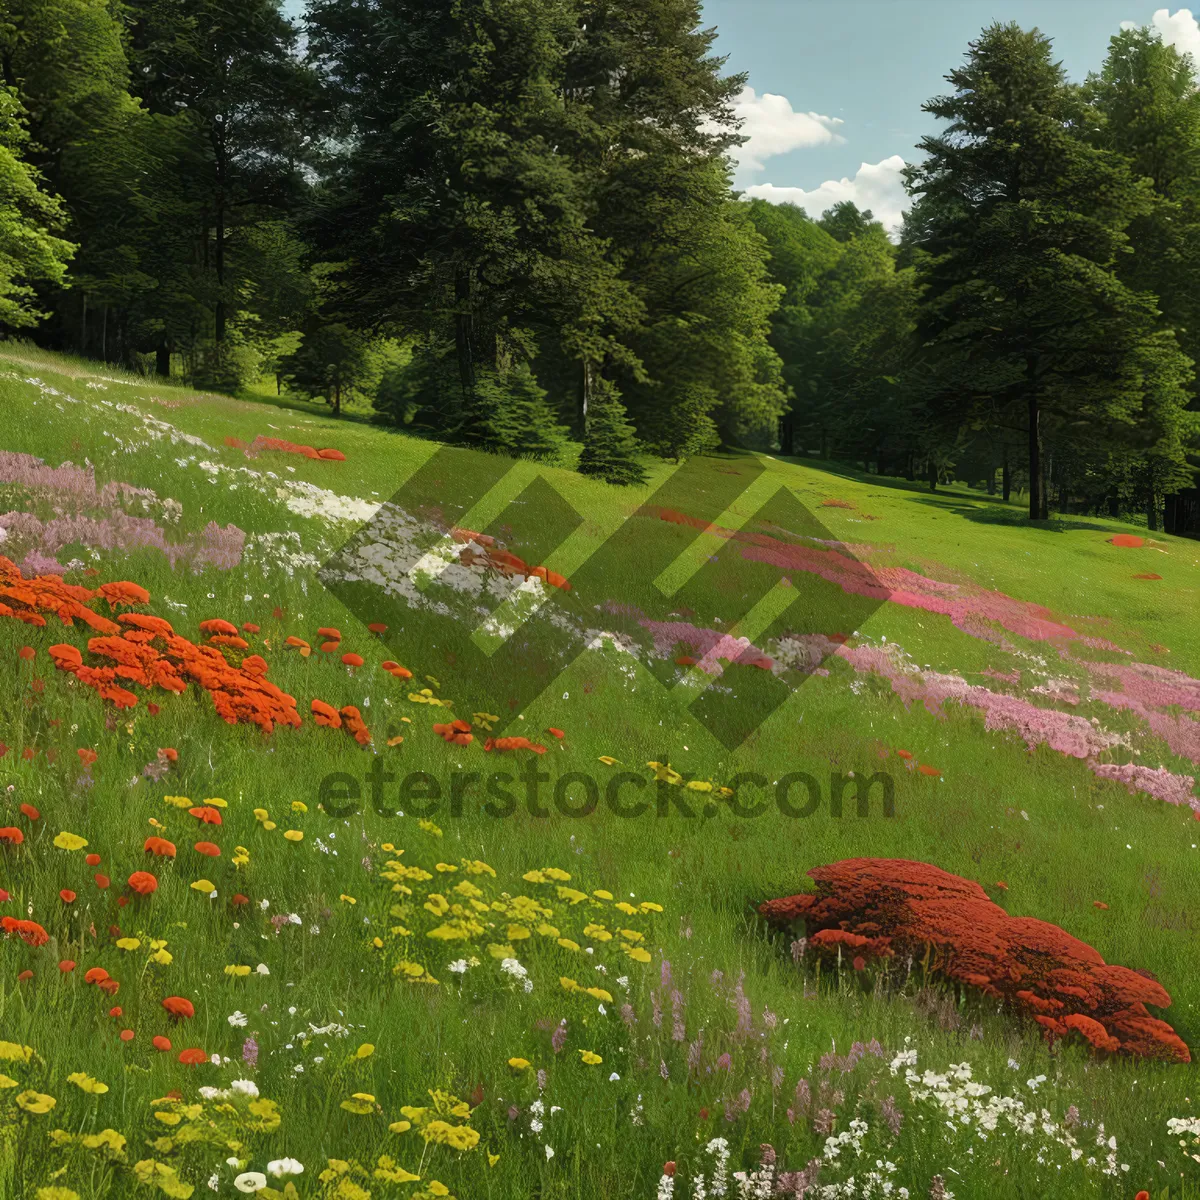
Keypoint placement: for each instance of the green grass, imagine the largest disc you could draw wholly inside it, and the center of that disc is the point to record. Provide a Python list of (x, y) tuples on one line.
[(1040, 821)]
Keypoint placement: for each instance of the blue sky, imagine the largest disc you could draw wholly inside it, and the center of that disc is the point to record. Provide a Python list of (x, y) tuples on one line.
[(836, 86)]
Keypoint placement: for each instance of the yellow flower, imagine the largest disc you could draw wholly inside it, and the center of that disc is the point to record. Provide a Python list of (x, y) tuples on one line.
[(556, 875), (597, 931), (411, 969), (516, 933), (261, 814), (429, 827), (699, 785), (216, 802), (600, 994), (106, 1139), (437, 1188), (129, 943), (168, 1118), (293, 835), (377, 943), (493, 1159), (360, 1103), (70, 841), (590, 1057), (519, 1064), (445, 867), (299, 806), (85, 1083), (436, 904), (498, 951), (567, 944), (35, 1102), (347, 899), (400, 1126), (364, 1051), (468, 889), (601, 894), (648, 906), (388, 1171), (157, 824), (204, 885), (547, 930), (164, 958), (269, 825), (534, 877), (238, 969), (632, 935), (608, 760), (15, 1052), (241, 856), (570, 894), (638, 954), (568, 985), (626, 908), (56, 1193), (6, 1081), (178, 801)]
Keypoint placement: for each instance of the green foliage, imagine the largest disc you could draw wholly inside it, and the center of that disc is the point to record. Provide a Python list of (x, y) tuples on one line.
[(331, 364), (609, 444), (509, 414), (30, 253)]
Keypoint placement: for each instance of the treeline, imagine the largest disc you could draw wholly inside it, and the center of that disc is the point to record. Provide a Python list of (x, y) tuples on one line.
[(512, 225)]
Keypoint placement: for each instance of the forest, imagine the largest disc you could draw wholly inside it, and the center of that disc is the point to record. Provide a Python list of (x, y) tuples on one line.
[(512, 226)]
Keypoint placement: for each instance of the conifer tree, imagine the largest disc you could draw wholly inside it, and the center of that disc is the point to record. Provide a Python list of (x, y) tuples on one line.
[(609, 445)]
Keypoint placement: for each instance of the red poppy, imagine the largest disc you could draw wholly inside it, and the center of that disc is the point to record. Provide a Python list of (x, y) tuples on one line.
[(27, 652), (95, 975), (28, 753), (86, 756), (30, 932), (239, 899), (331, 455), (206, 814), (67, 896), (159, 846), (1142, 1195), (109, 986), (178, 1006), (377, 627), (860, 963), (926, 769), (153, 709), (66, 966), (1002, 885), (330, 633), (4, 895), (191, 1057), (401, 672), (24, 975), (330, 647), (250, 627), (558, 733), (115, 1011), (352, 660), (905, 753), (27, 810), (217, 626), (122, 901), (143, 883), (669, 1169), (211, 849), (126, 1035), (92, 860), (12, 835), (102, 881), (160, 1043), (1099, 904), (277, 614), (169, 752)]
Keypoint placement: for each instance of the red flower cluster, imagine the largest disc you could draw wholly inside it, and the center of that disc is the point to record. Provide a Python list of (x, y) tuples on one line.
[(457, 733), (481, 548), (880, 907), (270, 443), (511, 743)]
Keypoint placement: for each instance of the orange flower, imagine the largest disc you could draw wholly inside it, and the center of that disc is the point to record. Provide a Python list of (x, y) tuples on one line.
[(329, 633), (30, 932), (27, 810), (67, 896), (92, 860), (229, 639), (95, 975), (102, 881), (456, 732), (558, 733), (377, 627), (12, 835), (109, 986), (249, 627), (206, 814), (331, 455), (126, 1035), (330, 647), (179, 1006), (191, 1057), (86, 756), (24, 975), (255, 664), (116, 1011), (326, 714), (27, 652), (160, 1043), (66, 966), (143, 883), (159, 846), (170, 753), (352, 660), (211, 849), (216, 625), (239, 899)]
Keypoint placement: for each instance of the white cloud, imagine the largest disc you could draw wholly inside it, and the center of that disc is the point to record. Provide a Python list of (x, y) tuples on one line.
[(773, 128), (877, 186), (1180, 30)]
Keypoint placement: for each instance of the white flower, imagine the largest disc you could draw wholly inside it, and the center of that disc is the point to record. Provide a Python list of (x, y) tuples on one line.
[(250, 1181), (262, 969), (285, 1166), (549, 1153), (264, 905), (215, 1059), (613, 1077), (214, 1182), (460, 966), (237, 1019), (247, 1087)]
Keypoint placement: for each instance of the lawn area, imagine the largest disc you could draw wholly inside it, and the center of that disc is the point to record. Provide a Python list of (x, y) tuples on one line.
[(492, 991)]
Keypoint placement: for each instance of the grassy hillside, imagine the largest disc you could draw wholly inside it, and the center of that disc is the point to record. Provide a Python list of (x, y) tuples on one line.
[(1026, 691)]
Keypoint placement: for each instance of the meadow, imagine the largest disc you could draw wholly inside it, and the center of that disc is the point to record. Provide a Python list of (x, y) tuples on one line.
[(481, 994)]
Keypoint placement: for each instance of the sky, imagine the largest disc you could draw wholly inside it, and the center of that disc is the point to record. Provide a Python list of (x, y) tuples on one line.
[(832, 105)]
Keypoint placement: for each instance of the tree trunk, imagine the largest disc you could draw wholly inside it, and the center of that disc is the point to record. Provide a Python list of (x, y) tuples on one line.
[(909, 469), (1035, 450), (991, 479), (463, 332), (585, 396), (104, 335), (83, 327), (787, 433), (162, 359), (337, 399), (1151, 513), (278, 384), (933, 474), (1005, 478)]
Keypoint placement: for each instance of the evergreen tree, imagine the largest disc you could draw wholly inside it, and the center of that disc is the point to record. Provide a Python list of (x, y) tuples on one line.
[(30, 253), (1022, 312), (330, 363), (609, 445), (510, 415)]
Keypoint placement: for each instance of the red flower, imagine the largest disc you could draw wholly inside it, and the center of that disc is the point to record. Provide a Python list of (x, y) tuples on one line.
[(86, 756), (159, 846), (102, 881), (558, 733), (153, 709), (169, 752), (126, 1035), (67, 896), (208, 848), (206, 814), (177, 1006), (239, 899), (352, 660), (250, 627), (27, 652), (27, 810), (669, 1169), (1142, 1195), (190, 1058), (160, 1043), (95, 975), (330, 633), (109, 986), (115, 1011), (92, 860), (330, 647), (66, 966), (377, 627), (24, 975), (12, 835), (30, 932), (217, 626), (143, 883), (28, 753)]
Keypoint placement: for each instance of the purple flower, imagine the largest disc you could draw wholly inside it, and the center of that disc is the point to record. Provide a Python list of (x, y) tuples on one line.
[(725, 1063), (559, 1038), (892, 1116), (250, 1052), (678, 1029)]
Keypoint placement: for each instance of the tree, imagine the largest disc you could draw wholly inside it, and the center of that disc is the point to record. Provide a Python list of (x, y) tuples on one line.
[(510, 415), (609, 444), (845, 220), (30, 253), (329, 364), (1022, 221)]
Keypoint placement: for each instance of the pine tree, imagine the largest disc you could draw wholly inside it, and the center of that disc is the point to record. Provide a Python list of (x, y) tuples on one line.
[(1023, 318), (610, 445), (510, 415)]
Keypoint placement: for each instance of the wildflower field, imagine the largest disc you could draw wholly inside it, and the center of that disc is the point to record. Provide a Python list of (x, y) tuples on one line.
[(270, 926)]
